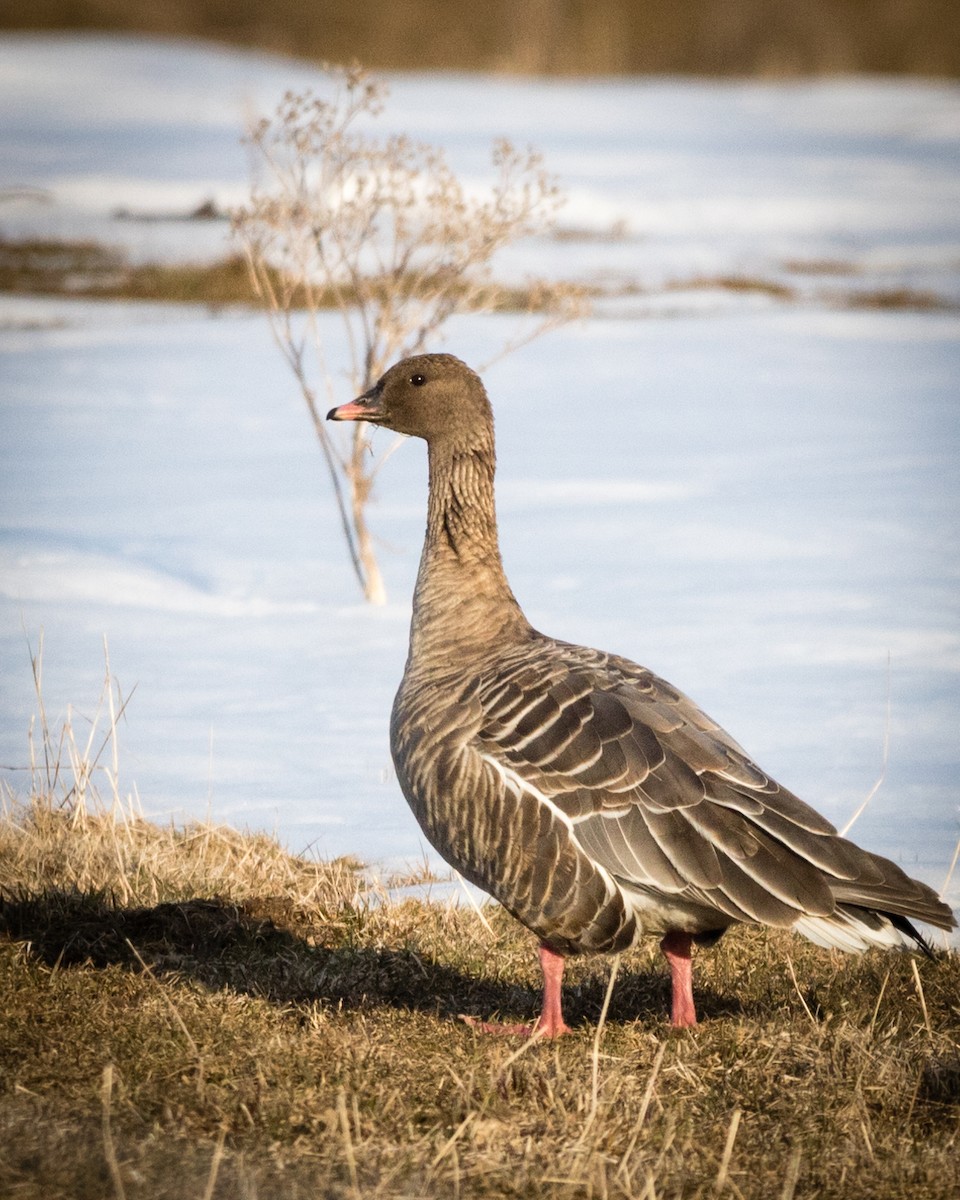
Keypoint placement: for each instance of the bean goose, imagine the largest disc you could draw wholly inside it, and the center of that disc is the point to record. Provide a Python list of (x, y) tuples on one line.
[(591, 798)]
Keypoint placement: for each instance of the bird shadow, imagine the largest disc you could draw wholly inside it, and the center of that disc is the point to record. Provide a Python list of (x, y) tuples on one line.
[(251, 948)]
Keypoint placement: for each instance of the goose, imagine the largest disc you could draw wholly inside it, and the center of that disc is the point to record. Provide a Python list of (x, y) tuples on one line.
[(591, 798)]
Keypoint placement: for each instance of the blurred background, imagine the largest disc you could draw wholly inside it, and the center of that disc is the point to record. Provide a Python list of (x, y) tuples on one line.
[(741, 470), (553, 37)]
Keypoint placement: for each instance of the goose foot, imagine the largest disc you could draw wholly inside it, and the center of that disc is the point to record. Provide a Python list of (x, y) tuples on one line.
[(550, 1024)]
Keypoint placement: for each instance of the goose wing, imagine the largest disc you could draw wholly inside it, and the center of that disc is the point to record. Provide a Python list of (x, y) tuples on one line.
[(657, 794)]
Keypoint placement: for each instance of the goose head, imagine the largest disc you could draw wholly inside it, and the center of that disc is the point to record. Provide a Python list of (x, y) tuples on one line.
[(431, 396)]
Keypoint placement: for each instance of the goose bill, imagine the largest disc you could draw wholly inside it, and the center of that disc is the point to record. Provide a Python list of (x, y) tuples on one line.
[(364, 408)]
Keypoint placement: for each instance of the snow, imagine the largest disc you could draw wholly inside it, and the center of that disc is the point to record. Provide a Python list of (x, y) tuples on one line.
[(757, 499)]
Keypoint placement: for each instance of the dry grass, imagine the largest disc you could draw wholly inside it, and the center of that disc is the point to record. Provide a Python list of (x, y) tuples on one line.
[(89, 270), (577, 37), (897, 299), (315, 1050), (894, 299), (743, 284), (197, 1013)]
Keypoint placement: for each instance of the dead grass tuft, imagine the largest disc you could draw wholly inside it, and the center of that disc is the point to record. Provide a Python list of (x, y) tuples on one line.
[(897, 299), (94, 849), (742, 284), (820, 266)]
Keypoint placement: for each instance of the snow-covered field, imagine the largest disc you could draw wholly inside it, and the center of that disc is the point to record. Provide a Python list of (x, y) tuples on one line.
[(759, 500)]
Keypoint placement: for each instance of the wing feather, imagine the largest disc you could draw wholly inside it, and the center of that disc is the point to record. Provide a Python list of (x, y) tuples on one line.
[(628, 849), (660, 797)]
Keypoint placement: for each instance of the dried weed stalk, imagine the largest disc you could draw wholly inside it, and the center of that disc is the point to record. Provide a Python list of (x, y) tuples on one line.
[(381, 230), (69, 835)]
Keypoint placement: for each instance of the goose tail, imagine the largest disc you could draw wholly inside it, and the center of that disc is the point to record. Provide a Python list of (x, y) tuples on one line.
[(855, 929)]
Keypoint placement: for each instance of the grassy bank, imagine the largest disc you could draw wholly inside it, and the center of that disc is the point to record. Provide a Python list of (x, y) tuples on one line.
[(197, 1013), (578, 37)]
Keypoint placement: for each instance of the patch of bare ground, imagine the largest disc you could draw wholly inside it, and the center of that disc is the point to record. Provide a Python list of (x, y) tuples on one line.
[(744, 284), (891, 298), (617, 231), (820, 266), (896, 299)]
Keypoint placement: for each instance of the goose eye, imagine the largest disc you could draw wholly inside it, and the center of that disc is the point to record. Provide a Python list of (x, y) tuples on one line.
[(418, 380)]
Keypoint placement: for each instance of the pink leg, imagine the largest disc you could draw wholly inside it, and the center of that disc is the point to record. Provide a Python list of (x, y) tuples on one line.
[(551, 1023), (676, 948)]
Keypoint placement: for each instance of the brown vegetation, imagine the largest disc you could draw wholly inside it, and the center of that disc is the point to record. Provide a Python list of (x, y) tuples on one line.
[(218, 1018), (91, 271), (578, 37), (743, 284)]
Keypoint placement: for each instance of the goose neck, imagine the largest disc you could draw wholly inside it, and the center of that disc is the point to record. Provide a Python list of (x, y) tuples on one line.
[(462, 594)]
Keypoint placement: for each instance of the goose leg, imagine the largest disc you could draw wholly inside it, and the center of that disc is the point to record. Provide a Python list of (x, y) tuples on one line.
[(550, 1023), (676, 948)]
